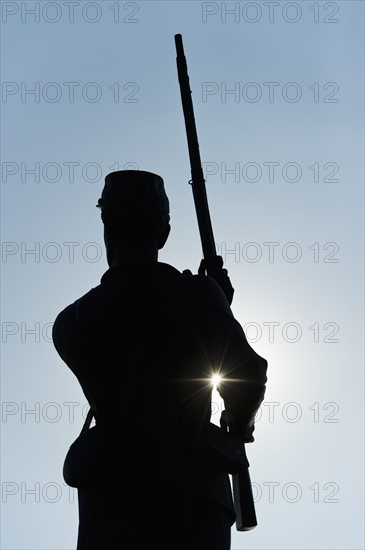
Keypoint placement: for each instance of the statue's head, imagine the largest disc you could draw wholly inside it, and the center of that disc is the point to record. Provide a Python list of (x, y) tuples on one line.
[(135, 208)]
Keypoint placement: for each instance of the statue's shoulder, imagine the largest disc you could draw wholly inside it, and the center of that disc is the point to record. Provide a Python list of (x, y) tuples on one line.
[(203, 290), (72, 311)]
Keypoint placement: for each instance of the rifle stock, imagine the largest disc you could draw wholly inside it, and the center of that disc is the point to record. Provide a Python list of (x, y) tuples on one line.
[(243, 499), (241, 482)]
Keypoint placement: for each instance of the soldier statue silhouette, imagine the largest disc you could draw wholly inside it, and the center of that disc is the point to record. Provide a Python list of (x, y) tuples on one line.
[(143, 345)]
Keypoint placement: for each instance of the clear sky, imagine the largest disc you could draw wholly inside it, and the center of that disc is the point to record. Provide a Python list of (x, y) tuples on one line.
[(278, 90)]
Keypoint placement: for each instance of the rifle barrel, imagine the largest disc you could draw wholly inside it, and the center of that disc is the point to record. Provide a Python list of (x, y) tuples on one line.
[(197, 176)]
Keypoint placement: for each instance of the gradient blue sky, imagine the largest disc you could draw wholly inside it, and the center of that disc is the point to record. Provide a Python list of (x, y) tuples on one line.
[(289, 223)]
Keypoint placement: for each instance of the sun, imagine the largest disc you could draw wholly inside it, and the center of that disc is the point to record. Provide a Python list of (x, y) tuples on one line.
[(216, 379)]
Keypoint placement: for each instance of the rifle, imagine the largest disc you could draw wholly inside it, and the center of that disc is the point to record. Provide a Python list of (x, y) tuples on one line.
[(241, 482)]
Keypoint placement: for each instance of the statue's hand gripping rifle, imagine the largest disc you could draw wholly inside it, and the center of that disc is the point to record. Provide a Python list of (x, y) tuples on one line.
[(212, 264)]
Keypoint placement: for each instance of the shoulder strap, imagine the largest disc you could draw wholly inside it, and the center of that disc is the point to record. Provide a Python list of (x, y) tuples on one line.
[(87, 422)]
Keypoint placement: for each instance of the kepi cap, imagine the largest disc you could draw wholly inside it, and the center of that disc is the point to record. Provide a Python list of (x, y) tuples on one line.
[(133, 190)]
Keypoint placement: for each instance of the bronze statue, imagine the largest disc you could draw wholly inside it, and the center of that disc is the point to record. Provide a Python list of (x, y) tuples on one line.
[(144, 344)]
